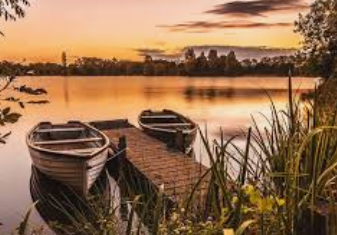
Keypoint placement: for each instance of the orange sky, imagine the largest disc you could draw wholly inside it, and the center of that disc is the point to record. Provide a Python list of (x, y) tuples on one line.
[(117, 28)]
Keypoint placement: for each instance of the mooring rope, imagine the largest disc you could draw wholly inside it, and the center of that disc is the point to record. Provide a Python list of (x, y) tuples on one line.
[(116, 154), (110, 158)]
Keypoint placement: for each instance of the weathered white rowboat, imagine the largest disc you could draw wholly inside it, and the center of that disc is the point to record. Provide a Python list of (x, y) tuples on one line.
[(73, 153)]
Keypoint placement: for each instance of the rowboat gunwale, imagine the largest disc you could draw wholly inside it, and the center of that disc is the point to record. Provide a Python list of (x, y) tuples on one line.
[(67, 155)]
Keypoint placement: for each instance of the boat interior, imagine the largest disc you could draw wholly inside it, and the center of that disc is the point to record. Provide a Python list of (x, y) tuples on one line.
[(165, 120), (70, 137)]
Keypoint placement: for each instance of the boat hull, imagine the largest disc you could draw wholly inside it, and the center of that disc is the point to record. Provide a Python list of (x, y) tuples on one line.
[(170, 137), (181, 134), (79, 174)]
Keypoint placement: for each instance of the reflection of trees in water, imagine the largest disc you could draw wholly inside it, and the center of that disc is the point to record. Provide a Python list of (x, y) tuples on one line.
[(66, 91), (239, 132), (212, 93), (151, 92), (208, 93)]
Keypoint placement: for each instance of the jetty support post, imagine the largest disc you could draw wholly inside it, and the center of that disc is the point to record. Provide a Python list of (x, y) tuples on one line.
[(122, 145), (179, 141)]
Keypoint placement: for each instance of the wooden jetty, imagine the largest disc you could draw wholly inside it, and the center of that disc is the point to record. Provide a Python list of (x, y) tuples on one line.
[(154, 162)]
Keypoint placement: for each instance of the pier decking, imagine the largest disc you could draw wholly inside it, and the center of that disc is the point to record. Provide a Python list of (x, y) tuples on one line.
[(159, 165)]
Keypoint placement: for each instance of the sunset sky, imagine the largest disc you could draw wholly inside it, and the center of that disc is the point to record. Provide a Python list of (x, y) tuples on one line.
[(126, 29)]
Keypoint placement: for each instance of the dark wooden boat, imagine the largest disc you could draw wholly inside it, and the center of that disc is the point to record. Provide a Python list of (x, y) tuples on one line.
[(73, 153), (171, 127)]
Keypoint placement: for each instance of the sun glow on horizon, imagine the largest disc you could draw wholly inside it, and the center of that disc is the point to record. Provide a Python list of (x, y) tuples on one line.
[(119, 29)]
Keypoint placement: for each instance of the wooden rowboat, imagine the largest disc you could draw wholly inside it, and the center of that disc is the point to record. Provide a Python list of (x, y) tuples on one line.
[(171, 127), (73, 153)]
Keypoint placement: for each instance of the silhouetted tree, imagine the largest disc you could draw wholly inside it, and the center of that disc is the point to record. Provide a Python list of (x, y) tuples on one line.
[(189, 54), (216, 65), (319, 31), (148, 66), (232, 64), (201, 65), (222, 63), (64, 63), (213, 55), (213, 65), (160, 69), (190, 61), (134, 68), (148, 59)]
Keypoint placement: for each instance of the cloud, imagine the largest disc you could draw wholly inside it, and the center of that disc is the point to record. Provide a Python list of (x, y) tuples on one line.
[(240, 12), (158, 53), (206, 26), (257, 7), (241, 52), (148, 51)]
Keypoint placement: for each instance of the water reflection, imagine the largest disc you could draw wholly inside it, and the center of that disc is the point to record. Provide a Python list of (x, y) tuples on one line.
[(66, 91), (107, 208), (57, 202), (210, 93), (152, 92), (217, 93)]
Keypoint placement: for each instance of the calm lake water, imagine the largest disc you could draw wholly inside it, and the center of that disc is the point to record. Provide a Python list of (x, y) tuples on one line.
[(215, 102)]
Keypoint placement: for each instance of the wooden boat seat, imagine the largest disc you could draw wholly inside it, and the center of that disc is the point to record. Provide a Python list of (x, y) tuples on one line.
[(71, 141), (75, 129), (171, 125), (80, 151), (160, 117)]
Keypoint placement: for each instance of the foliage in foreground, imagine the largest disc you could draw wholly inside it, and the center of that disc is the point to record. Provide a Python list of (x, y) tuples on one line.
[(318, 29), (13, 9), (285, 181)]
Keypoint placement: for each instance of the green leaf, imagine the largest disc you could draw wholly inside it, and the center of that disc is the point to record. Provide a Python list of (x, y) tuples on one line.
[(243, 227)]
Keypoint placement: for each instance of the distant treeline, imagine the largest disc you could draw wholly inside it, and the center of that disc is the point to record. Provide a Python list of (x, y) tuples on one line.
[(192, 65)]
